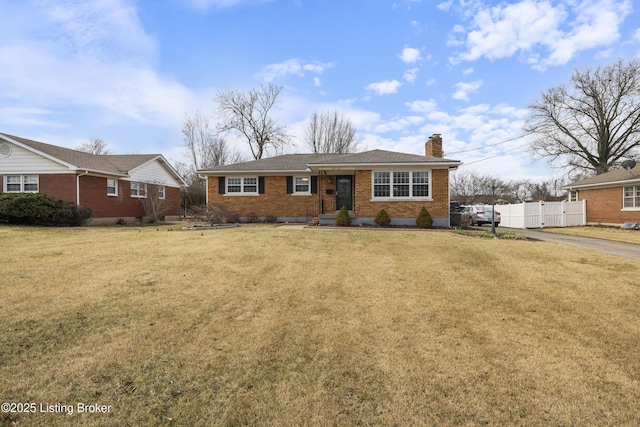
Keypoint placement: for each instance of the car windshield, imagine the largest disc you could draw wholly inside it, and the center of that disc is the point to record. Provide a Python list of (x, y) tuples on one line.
[(484, 208)]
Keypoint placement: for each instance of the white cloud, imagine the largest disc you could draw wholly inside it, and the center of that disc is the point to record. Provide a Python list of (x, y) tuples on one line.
[(410, 55), (398, 124), (411, 74), (88, 55), (422, 106), (543, 33), (430, 82), (467, 71), (386, 87), (294, 67), (221, 4), (463, 89), (445, 5)]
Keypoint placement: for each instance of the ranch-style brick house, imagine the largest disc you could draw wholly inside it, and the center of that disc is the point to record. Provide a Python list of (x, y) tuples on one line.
[(612, 198), (299, 187), (112, 186)]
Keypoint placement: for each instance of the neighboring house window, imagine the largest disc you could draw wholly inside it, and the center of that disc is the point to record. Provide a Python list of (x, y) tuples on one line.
[(302, 185), (21, 183), (408, 184), (161, 192), (573, 195), (112, 187), (244, 185), (138, 189), (632, 197)]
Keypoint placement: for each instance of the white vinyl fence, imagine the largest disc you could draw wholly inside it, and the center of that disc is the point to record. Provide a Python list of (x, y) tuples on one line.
[(543, 214)]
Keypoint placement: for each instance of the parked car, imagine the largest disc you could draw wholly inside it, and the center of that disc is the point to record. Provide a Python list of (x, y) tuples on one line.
[(455, 206), (479, 214)]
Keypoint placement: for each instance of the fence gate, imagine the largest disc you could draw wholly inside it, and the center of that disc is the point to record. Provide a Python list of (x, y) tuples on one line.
[(543, 214)]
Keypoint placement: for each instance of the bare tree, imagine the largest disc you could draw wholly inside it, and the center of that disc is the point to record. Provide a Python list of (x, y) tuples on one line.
[(248, 115), (330, 132), (94, 146), (155, 203), (469, 187), (204, 147), (592, 124)]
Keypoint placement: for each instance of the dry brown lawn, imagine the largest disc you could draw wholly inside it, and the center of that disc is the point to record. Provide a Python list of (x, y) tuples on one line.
[(267, 326), (607, 233)]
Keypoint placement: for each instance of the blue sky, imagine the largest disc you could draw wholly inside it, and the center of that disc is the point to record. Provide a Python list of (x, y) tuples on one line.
[(127, 71)]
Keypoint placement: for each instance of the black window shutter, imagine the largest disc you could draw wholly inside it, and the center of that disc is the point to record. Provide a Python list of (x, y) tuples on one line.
[(314, 184), (289, 185), (221, 186), (261, 185)]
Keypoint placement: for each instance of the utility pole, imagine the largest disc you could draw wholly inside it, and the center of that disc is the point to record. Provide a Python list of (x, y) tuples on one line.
[(493, 209)]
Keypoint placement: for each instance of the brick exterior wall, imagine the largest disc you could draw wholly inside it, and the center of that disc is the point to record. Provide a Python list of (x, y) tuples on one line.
[(93, 194), (276, 202), (438, 208), (58, 186), (604, 206)]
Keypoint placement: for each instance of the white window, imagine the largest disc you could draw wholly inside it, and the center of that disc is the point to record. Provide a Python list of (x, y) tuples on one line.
[(631, 197), (112, 187), (138, 189), (244, 185), (161, 192), (573, 195), (21, 183), (402, 185), (301, 185), (381, 186)]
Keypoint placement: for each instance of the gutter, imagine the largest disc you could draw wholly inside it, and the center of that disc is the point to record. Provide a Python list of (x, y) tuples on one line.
[(86, 172)]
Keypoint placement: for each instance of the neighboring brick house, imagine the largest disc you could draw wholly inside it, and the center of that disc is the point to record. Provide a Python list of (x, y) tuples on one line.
[(612, 198), (298, 187), (112, 186)]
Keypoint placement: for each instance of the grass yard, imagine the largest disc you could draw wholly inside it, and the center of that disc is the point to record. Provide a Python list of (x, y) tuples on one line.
[(266, 326), (607, 233)]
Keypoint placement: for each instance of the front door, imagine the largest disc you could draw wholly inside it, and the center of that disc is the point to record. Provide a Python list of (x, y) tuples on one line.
[(344, 192)]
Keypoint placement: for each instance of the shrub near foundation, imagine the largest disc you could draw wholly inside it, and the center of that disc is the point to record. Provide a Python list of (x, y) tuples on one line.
[(382, 219), (343, 219), (40, 209), (424, 219)]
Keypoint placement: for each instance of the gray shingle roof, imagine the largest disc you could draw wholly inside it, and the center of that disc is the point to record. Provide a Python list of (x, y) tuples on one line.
[(615, 177), (110, 164), (286, 162), (304, 162), (381, 156)]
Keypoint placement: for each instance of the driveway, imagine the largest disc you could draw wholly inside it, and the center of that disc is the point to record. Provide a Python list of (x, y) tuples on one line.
[(625, 250)]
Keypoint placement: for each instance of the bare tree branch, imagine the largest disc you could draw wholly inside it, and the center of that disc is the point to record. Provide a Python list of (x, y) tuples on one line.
[(94, 146), (204, 147), (593, 124), (330, 132), (248, 115)]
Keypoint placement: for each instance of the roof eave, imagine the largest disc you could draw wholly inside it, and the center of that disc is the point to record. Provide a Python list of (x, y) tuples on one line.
[(443, 164), (602, 184), (41, 153), (220, 172)]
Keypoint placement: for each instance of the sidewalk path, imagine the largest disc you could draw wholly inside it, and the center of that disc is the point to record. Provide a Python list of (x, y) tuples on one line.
[(626, 250)]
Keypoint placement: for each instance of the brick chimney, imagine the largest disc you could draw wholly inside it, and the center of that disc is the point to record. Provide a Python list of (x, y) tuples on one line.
[(433, 147)]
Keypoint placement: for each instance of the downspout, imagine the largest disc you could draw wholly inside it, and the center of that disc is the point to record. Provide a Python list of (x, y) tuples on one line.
[(78, 186)]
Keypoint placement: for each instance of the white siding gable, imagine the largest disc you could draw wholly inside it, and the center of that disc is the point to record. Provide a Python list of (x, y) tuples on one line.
[(27, 162), (153, 172)]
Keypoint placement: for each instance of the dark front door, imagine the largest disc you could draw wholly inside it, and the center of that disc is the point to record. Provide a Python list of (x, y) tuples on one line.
[(344, 192)]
